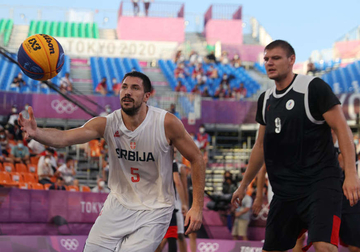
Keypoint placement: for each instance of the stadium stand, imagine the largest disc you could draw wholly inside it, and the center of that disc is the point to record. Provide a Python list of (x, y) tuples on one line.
[(239, 74), (260, 68), (327, 65), (344, 79), (64, 29), (111, 68), (11, 70), (36, 186)]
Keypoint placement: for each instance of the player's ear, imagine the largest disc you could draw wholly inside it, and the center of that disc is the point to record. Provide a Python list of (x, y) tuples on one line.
[(147, 96), (292, 59)]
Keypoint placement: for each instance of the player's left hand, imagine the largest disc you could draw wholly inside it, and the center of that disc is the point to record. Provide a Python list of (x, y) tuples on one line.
[(257, 205), (351, 188), (194, 216)]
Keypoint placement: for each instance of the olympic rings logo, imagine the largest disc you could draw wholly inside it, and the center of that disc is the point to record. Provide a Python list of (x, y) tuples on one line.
[(69, 244), (63, 106), (208, 247), (262, 214)]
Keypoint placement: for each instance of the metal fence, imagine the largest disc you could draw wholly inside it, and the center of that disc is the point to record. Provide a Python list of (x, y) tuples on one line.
[(223, 11), (156, 9), (353, 34)]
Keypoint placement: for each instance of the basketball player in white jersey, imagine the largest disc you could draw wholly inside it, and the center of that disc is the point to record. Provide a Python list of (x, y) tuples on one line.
[(138, 210)]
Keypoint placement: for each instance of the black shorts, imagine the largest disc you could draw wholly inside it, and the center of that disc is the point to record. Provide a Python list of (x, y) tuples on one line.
[(319, 213), (350, 225)]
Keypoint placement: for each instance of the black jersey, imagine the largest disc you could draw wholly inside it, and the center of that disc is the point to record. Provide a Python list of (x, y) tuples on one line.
[(298, 146)]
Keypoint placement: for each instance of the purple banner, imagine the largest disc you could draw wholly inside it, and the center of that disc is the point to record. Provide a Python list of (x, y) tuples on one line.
[(54, 105), (33, 206), (213, 111), (77, 243), (233, 112)]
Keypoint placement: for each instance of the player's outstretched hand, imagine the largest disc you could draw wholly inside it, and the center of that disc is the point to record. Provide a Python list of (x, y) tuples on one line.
[(351, 189), (238, 196), (257, 205), (29, 126), (195, 218)]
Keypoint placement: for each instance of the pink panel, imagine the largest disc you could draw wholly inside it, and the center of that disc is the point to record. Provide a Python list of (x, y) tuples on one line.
[(251, 53), (226, 31), (151, 29), (347, 49)]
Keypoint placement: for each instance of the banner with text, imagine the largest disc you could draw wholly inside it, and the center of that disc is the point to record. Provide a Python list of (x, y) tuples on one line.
[(80, 47), (29, 206), (76, 244)]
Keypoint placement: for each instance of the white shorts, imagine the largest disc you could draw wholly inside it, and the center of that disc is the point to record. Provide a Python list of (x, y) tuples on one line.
[(120, 229), (179, 217)]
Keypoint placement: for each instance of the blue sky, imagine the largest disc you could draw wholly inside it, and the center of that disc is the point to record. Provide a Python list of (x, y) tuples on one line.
[(307, 25)]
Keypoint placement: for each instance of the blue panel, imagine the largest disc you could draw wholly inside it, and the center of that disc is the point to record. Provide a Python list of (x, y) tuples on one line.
[(127, 64), (119, 66), (136, 65)]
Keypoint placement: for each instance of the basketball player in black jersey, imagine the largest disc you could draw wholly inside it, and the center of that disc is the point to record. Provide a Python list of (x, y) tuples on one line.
[(350, 215), (296, 117)]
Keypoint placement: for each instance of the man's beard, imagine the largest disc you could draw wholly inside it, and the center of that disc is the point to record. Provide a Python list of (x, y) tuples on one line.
[(132, 111)]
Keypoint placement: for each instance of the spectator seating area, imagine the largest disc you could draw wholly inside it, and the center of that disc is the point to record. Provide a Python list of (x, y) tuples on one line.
[(111, 68), (344, 79), (327, 65), (64, 29), (10, 70), (260, 68), (25, 177), (239, 76), (6, 26)]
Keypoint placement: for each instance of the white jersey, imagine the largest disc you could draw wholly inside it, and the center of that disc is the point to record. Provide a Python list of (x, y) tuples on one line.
[(140, 170)]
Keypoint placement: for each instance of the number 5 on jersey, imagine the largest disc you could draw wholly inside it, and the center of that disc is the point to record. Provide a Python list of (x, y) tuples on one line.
[(136, 176)]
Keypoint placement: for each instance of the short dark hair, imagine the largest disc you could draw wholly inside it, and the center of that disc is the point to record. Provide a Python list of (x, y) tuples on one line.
[(146, 81), (51, 150), (283, 44), (60, 178), (69, 159)]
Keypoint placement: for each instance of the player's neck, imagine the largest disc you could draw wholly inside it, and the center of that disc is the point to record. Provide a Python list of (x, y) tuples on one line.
[(132, 122), (285, 82)]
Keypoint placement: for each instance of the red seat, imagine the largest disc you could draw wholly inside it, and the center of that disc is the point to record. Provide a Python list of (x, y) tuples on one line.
[(6, 179), (21, 168), (32, 168), (9, 167), (85, 188), (29, 177), (72, 188), (36, 186), (16, 177), (34, 160), (23, 185)]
